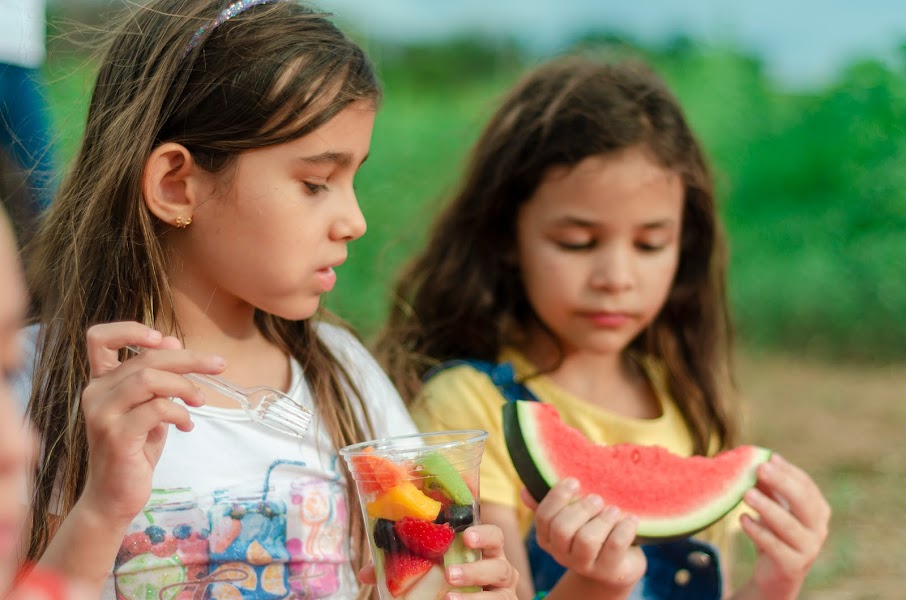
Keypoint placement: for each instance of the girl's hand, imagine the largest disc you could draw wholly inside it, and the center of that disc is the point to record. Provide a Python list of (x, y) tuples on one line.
[(127, 410), (588, 538), (493, 572), (791, 528)]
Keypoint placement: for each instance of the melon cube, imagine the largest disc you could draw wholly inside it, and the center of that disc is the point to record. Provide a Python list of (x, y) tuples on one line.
[(403, 500)]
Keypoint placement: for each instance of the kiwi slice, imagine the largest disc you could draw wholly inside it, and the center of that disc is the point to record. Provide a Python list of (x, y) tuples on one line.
[(447, 478), (457, 554)]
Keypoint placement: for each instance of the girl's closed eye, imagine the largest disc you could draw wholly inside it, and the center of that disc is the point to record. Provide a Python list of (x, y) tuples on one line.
[(314, 187), (574, 241), (576, 246), (651, 246)]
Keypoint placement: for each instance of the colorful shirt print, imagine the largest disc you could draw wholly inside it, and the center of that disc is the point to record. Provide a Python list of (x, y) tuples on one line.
[(288, 540)]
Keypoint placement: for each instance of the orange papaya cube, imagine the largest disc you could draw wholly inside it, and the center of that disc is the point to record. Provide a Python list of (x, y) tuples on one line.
[(403, 500)]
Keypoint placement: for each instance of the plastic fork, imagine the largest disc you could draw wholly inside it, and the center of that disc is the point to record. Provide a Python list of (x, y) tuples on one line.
[(266, 405)]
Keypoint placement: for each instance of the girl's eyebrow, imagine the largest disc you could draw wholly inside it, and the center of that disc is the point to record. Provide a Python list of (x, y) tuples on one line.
[(657, 224), (571, 221), (340, 158)]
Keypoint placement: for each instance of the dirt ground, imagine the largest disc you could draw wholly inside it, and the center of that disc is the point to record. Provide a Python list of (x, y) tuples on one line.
[(845, 425)]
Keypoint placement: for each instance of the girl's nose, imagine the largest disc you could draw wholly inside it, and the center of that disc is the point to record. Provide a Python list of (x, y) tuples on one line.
[(613, 270), (350, 224)]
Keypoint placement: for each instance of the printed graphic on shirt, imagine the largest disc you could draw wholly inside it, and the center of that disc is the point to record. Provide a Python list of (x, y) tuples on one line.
[(288, 539)]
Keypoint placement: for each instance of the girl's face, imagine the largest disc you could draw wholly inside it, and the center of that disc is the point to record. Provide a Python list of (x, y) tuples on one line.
[(598, 247), (274, 237), (16, 442)]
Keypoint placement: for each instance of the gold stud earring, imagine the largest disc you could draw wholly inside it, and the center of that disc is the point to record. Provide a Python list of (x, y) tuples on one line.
[(183, 223)]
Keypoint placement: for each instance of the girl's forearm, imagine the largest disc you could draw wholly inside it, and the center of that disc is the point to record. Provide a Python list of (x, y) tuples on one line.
[(573, 586), (749, 591), (84, 548)]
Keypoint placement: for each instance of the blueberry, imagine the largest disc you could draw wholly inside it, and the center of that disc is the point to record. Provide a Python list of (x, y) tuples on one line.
[(459, 517), (384, 535), (182, 532), (237, 512), (155, 534)]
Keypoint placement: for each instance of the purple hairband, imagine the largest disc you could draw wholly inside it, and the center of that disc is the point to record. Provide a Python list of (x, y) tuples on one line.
[(225, 15)]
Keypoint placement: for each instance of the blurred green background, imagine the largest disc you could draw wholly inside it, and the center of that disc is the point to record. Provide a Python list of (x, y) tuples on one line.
[(810, 181), (810, 170)]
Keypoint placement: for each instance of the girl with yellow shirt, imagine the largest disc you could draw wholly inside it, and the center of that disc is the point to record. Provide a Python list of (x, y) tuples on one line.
[(581, 263)]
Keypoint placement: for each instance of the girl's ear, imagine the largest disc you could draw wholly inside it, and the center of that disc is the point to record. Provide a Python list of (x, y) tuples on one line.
[(173, 185)]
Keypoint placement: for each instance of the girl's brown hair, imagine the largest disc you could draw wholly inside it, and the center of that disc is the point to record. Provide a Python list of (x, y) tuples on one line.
[(462, 296), (272, 74)]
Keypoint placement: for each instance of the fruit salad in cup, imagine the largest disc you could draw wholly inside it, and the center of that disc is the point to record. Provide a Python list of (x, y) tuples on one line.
[(416, 509)]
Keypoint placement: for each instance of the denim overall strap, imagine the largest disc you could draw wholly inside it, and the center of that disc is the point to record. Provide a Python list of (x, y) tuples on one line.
[(502, 374)]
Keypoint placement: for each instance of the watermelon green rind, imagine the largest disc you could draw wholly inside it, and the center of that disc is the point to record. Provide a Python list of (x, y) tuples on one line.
[(527, 463), (720, 506), (539, 475)]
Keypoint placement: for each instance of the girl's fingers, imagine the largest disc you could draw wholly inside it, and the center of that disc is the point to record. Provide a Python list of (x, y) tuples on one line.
[(487, 572), (556, 499), (589, 540), (152, 375), (777, 519), (367, 575), (766, 542), (527, 499), (802, 495), (571, 519), (140, 421), (487, 538), (105, 341), (179, 361), (144, 385), (493, 570), (622, 535)]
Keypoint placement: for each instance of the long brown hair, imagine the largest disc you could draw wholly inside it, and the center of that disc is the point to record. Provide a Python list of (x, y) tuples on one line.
[(461, 297), (269, 75)]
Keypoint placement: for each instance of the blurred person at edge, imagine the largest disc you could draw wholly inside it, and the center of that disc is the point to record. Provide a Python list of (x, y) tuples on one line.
[(17, 442), (25, 132)]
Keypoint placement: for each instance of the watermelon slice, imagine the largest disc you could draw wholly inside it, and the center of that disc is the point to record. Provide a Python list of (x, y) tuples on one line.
[(673, 496), (375, 473)]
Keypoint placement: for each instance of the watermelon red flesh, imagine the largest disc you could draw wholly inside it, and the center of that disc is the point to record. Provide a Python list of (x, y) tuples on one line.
[(673, 496)]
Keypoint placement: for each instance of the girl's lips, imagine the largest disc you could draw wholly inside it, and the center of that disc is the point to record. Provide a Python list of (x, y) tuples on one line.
[(327, 278), (608, 320)]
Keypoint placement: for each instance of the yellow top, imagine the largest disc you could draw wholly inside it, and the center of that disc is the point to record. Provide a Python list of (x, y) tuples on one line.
[(462, 397)]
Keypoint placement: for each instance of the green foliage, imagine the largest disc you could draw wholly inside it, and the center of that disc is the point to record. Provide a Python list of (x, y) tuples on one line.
[(811, 185)]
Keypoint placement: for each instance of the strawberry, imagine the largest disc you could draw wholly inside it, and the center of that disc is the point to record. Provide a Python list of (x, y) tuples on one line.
[(424, 538), (402, 569)]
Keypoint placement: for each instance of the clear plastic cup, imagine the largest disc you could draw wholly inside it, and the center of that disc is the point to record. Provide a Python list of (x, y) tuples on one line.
[(418, 494)]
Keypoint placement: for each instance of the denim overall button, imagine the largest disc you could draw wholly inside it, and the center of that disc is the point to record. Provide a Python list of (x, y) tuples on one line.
[(699, 559), (682, 577)]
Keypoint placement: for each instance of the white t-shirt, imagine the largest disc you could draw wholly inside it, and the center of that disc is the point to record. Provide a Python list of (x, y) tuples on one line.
[(241, 512), (22, 32)]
